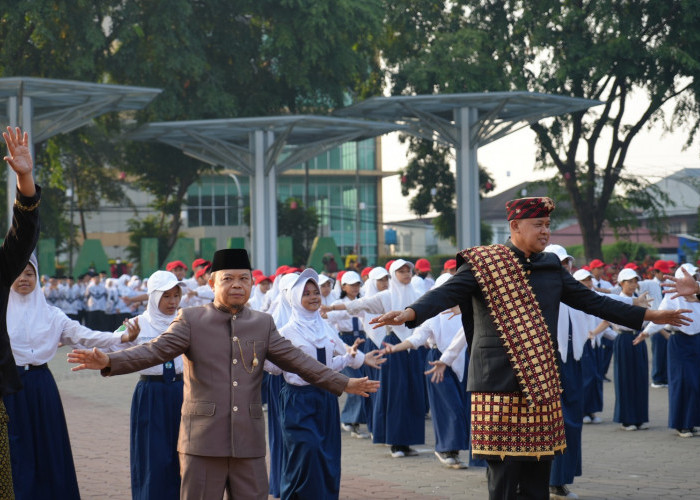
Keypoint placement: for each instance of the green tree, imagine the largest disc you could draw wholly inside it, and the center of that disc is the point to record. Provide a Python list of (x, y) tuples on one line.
[(604, 49), (223, 59), (429, 180)]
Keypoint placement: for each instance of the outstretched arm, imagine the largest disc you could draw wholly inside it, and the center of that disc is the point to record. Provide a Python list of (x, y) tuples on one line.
[(19, 158)]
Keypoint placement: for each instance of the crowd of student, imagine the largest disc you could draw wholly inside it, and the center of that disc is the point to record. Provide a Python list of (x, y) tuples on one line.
[(423, 371)]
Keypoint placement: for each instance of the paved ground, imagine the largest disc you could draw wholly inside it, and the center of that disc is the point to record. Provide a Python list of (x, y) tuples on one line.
[(616, 464)]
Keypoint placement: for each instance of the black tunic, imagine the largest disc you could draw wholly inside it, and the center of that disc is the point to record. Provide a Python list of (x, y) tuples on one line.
[(490, 369), (15, 251)]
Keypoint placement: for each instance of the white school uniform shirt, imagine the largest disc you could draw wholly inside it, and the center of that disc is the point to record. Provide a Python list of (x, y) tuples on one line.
[(204, 295), (341, 321), (669, 304), (440, 331), (35, 329)]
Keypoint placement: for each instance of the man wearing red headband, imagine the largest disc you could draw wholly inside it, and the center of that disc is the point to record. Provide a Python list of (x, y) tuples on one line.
[(509, 296)]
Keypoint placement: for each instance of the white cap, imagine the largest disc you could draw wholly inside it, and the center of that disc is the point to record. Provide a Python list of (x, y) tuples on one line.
[(582, 274), (350, 278), (162, 281), (378, 273), (688, 267), (322, 278), (627, 274), (441, 279), (560, 252)]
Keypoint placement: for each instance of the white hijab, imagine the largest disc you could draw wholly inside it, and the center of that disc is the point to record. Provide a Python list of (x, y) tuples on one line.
[(30, 314), (307, 324), (401, 295), (159, 283), (370, 289), (281, 310)]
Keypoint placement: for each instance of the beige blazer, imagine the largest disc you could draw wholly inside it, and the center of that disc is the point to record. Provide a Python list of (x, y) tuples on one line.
[(222, 412)]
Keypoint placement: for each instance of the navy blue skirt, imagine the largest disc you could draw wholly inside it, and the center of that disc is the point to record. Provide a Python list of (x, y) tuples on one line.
[(372, 374), (274, 431), (310, 421), (354, 409), (684, 381), (450, 412), (40, 451), (631, 380), (568, 464), (659, 359), (592, 378), (399, 409), (155, 422)]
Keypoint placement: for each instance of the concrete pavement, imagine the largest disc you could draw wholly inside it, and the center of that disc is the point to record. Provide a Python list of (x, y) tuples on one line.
[(616, 464)]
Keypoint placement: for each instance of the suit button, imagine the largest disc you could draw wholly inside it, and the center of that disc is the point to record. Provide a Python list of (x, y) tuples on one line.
[(235, 384), (235, 361), (235, 408), (235, 339)]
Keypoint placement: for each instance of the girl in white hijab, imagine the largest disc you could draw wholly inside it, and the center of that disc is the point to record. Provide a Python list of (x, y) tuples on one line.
[(157, 401), (42, 461), (310, 416), (398, 417)]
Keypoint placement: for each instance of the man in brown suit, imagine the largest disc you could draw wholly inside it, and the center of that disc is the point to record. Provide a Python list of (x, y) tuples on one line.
[(222, 431)]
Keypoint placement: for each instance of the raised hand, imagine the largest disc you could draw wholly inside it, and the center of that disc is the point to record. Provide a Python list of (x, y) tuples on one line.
[(132, 329), (358, 342), (437, 371), (89, 359), (18, 155), (681, 287), (362, 386), (644, 300)]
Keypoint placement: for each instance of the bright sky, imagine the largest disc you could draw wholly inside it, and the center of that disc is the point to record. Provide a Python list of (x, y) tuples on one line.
[(511, 161)]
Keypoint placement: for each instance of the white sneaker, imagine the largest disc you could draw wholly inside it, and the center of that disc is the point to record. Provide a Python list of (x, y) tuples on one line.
[(596, 420), (696, 431), (396, 452), (643, 427), (684, 433), (654, 385), (628, 427), (445, 458), (587, 419), (347, 427)]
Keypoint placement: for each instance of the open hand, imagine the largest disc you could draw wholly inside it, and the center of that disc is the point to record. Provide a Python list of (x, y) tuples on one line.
[(673, 317), (644, 300), (18, 155), (640, 338), (393, 318), (681, 287), (353, 349), (89, 359), (453, 311), (437, 371), (132, 329), (362, 386), (375, 359)]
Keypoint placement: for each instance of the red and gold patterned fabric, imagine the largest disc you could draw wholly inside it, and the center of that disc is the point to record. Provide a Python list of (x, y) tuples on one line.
[(529, 208), (506, 425), (516, 424)]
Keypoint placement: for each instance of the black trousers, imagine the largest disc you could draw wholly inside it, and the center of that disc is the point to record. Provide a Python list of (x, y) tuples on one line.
[(518, 479)]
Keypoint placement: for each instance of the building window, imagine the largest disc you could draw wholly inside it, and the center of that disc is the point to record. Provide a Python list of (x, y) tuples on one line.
[(214, 201)]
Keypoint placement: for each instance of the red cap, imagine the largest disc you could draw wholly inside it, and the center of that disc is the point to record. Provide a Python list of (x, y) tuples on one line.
[(256, 272), (631, 265), (423, 265), (450, 264), (284, 269), (176, 263), (596, 263), (587, 268), (291, 270), (388, 264), (202, 272), (365, 271), (260, 278), (339, 276), (199, 262), (662, 265), (672, 263)]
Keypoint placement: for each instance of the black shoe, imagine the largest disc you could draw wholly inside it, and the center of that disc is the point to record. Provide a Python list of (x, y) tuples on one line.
[(606, 379), (561, 492)]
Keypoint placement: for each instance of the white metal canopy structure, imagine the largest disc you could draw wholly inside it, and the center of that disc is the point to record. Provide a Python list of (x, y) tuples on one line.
[(262, 148), (465, 122), (45, 107)]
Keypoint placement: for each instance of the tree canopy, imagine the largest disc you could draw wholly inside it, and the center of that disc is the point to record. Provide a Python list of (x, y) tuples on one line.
[(604, 49)]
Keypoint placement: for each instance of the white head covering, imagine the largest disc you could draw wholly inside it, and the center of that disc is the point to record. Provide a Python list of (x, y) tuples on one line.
[(688, 267), (159, 283), (560, 252), (350, 278), (307, 324), (402, 296), (30, 311), (441, 279), (369, 289), (281, 310), (370, 286), (582, 274), (627, 274), (322, 278)]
